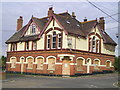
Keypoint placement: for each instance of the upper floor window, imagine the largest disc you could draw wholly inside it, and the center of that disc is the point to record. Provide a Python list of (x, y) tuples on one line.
[(34, 45), (54, 40), (14, 47), (59, 40), (26, 45), (48, 41), (33, 29), (94, 44)]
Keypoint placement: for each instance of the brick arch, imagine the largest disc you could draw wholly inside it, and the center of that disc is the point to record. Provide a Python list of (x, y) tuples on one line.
[(22, 57), (108, 61), (97, 60), (29, 57), (55, 28), (96, 34), (50, 57), (82, 59), (90, 61), (39, 57)]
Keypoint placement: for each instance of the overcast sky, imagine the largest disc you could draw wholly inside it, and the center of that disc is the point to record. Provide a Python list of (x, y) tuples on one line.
[(12, 10)]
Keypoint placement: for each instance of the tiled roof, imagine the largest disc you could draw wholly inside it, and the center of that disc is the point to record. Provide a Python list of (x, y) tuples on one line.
[(70, 24)]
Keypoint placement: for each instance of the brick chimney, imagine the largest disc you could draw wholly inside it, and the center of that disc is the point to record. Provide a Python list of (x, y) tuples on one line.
[(73, 15), (102, 23), (19, 23), (50, 11)]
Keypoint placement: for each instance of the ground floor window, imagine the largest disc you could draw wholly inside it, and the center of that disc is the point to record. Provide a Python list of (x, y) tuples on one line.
[(30, 63), (51, 63), (96, 64), (79, 64), (108, 64), (13, 62), (40, 63)]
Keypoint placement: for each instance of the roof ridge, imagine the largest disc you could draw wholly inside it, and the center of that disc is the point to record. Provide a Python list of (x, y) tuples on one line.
[(88, 21)]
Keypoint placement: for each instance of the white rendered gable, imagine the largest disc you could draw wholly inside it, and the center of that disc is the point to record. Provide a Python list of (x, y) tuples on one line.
[(29, 30)]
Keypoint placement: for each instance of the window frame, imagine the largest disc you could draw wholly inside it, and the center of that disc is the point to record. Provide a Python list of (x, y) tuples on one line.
[(54, 42), (34, 45)]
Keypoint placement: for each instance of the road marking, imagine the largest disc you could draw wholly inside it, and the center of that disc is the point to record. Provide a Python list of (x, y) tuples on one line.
[(115, 85), (93, 86)]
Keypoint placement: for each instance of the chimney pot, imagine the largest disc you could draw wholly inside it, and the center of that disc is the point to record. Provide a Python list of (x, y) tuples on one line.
[(85, 19), (73, 15)]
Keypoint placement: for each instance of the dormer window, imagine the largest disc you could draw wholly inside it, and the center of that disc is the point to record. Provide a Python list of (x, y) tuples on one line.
[(68, 22), (78, 25)]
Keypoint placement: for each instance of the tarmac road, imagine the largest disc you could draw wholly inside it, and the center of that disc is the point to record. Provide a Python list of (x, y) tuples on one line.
[(93, 81)]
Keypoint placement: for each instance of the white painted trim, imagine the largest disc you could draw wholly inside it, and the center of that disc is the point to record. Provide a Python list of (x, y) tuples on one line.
[(8, 62), (18, 62), (102, 65), (58, 63), (62, 55), (72, 63)]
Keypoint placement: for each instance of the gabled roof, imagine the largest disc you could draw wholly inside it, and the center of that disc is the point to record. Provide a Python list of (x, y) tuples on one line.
[(16, 36), (70, 24)]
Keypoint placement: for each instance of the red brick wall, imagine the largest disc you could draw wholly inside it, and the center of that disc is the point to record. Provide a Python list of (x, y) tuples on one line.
[(58, 68)]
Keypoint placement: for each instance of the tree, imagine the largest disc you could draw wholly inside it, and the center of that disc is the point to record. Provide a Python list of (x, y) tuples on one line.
[(117, 64), (3, 59)]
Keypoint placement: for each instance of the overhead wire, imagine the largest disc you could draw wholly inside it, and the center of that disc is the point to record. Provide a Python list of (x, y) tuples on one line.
[(102, 11)]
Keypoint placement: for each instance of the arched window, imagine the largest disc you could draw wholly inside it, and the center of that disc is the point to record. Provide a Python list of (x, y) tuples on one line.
[(54, 40), (30, 63), (22, 59), (40, 63), (108, 64), (13, 62), (79, 64), (96, 64), (51, 63), (94, 44)]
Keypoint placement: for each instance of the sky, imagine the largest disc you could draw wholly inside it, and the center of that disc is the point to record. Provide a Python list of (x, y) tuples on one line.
[(12, 10)]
